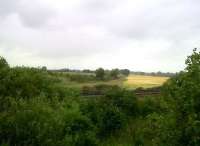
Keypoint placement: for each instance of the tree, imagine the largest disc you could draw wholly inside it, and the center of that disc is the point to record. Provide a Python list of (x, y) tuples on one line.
[(3, 63), (100, 73), (44, 68), (4, 76), (183, 92), (125, 72), (87, 71), (114, 73)]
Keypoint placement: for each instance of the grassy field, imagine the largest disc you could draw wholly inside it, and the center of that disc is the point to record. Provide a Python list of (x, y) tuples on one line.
[(135, 81), (130, 82), (119, 82)]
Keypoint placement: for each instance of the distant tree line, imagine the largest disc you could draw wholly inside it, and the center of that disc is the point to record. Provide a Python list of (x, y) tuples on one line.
[(125, 72), (91, 75), (102, 74), (159, 73)]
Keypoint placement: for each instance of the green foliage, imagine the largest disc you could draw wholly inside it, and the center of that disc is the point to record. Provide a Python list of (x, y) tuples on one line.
[(81, 78), (125, 72), (111, 111), (44, 122), (150, 105), (172, 120), (157, 129), (29, 123), (107, 118), (80, 131), (100, 89), (4, 68), (100, 73), (37, 109), (111, 120), (114, 73), (23, 82), (124, 100), (183, 92), (3, 63)]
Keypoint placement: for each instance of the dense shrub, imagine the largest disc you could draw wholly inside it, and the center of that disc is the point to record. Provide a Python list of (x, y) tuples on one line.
[(81, 78), (111, 120), (107, 118), (114, 73), (3, 63), (4, 69), (151, 104), (101, 89), (156, 129), (80, 131), (24, 82), (111, 111), (29, 123), (41, 122), (125, 72), (182, 91), (123, 99), (89, 90), (34, 112), (100, 73), (36, 109)]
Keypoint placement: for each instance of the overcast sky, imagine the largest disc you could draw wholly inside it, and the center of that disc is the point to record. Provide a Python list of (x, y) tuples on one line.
[(142, 35)]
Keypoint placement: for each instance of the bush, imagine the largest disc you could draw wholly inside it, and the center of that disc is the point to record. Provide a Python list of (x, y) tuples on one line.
[(100, 73), (107, 118), (111, 121), (23, 82), (31, 122), (101, 89), (43, 122), (80, 131), (157, 129), (125, 72), (111, 111), (3, 63), (114, 73), (123, 99), (182, 91), (81, 78), (149, 105)]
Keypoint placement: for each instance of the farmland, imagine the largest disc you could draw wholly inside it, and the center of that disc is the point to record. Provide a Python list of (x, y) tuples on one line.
[(130, 82), (135, 81)]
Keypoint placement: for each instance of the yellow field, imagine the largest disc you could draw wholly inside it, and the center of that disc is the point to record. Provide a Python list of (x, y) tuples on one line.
[(135, 81)]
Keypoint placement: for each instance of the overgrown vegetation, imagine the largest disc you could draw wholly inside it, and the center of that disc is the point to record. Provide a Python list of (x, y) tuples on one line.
[(37, 109)]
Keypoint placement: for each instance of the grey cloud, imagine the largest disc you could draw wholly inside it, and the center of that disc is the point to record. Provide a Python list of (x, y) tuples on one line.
[(35, 14), (99, 5), (7, 7), (124, 31), (169, 20), (31, 13)]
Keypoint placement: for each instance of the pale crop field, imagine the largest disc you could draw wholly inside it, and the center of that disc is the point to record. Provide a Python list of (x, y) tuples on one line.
[(135, 81)]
